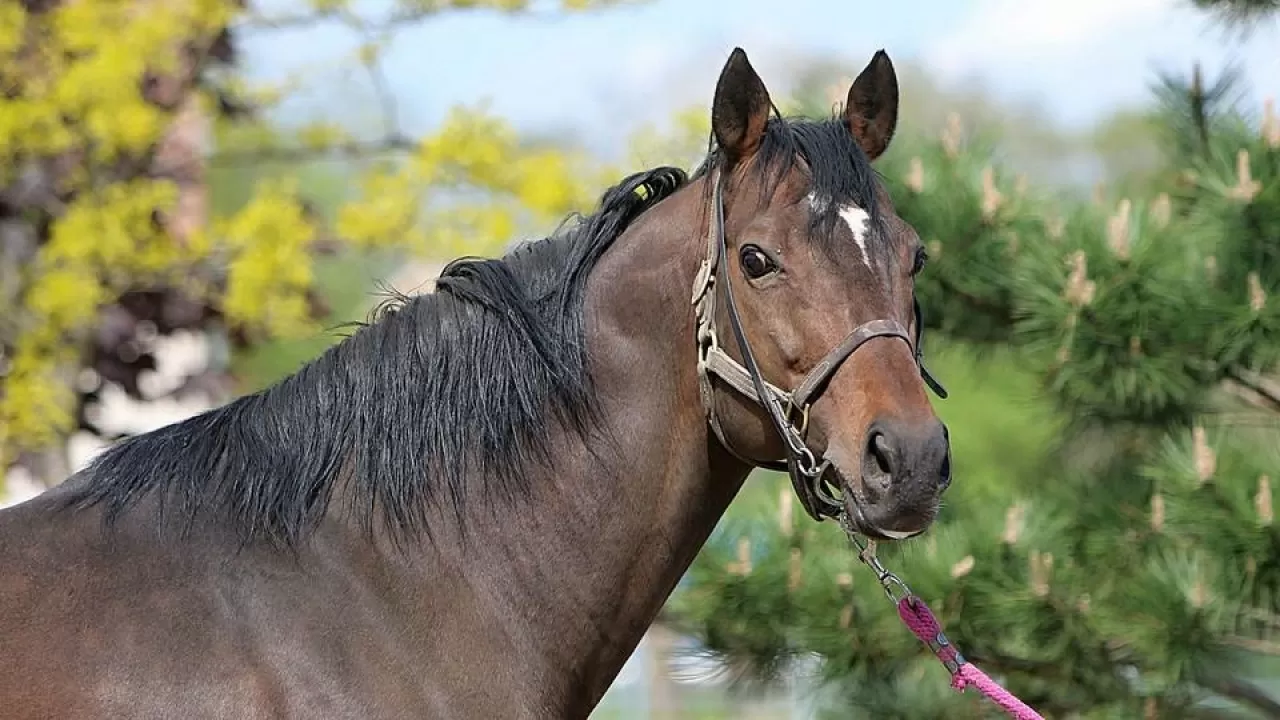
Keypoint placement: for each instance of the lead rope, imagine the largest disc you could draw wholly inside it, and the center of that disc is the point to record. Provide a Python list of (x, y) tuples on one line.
[(921, 621)]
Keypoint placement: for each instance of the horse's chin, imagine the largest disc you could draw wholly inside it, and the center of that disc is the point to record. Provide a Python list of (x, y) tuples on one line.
[(883, 520), (872, 530)]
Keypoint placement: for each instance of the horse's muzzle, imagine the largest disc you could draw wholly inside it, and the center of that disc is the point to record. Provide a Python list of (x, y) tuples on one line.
[(893, 490)]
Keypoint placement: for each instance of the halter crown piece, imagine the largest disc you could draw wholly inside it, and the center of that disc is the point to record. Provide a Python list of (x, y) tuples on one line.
[(806, 472)]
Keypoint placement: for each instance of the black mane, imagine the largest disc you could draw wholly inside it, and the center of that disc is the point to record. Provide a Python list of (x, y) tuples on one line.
[(467, 381)]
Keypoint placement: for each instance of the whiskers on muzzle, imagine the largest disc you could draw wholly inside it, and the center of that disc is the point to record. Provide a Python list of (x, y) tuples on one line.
[(894, 488)]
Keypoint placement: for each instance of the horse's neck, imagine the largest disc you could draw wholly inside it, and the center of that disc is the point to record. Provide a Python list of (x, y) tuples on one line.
[(577, 572)]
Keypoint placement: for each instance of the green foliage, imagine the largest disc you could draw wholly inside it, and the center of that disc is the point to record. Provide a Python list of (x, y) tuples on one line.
[(1109, 546)]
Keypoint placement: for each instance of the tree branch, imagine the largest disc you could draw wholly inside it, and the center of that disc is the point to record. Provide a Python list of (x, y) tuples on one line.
[(306, 20), (1263, 387), (1245, 692), (381, 88), (391, 21), (354, 149), (393, 138)]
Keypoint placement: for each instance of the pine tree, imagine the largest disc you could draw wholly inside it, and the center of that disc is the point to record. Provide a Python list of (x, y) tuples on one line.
[(1136, 571)]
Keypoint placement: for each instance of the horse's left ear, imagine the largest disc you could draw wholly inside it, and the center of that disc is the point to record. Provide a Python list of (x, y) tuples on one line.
[(872, 109)]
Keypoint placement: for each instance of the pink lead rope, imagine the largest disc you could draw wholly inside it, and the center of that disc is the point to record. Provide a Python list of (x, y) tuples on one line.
[(920, 620)]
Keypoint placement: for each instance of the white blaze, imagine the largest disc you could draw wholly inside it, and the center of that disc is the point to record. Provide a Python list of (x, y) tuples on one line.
[(859, 222), (856, 218)]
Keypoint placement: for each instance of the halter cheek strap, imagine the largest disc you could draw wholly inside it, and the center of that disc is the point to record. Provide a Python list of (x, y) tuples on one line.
[(806, 473)]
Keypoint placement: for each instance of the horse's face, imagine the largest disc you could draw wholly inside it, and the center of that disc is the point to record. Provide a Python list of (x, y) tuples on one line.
[(813, 253)]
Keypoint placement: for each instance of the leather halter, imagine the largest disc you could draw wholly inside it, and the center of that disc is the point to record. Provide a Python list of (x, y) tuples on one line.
[(805, 470)]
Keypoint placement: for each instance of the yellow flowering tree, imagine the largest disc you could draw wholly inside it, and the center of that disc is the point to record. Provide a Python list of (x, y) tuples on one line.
[(106, 235)]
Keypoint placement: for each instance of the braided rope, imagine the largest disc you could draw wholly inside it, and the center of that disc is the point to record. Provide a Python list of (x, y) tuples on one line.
[(921, 621)]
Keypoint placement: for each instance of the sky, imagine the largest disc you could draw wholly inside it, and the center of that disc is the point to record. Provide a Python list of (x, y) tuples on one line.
[(601, 75)]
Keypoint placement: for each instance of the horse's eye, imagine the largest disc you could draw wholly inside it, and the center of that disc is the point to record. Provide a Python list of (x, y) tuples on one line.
[(755, 263), (921, 258)]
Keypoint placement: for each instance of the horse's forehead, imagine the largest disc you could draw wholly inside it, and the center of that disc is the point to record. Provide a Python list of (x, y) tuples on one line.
[(856, 218)]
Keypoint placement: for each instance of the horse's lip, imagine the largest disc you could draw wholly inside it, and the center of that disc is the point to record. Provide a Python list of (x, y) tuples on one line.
[(898, 534), (860, 521), (870, 529)]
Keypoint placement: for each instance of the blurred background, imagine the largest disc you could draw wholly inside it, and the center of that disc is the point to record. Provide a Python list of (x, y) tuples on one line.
[(194, 193)]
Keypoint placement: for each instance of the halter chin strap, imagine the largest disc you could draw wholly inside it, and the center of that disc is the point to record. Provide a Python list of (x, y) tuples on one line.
[(806, 472)]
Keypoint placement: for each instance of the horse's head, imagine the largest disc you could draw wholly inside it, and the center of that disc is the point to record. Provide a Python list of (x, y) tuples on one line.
[(817, 313)]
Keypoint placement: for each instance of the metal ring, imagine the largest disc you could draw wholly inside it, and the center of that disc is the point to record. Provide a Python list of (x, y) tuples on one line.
[(887, 581), (820, 489), (867, 554), (807, 462)]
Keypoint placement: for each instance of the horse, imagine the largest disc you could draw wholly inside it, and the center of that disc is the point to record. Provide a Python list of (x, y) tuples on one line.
[(475, 504)]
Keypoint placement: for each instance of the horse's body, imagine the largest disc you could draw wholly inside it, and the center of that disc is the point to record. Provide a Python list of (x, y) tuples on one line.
[(472, 508), (531, 615)]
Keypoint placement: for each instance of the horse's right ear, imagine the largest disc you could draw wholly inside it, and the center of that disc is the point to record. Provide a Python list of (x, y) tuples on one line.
[(872, 109), (740, 109)]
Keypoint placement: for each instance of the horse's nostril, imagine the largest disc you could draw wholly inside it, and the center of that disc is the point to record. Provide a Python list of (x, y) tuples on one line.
[(915, 454), (878, 463), (944, 469), (881, 452)]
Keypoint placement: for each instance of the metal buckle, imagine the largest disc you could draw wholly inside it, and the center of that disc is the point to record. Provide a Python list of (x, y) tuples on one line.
[(706, 343), (701, 281), (806, 463), (804, 415)]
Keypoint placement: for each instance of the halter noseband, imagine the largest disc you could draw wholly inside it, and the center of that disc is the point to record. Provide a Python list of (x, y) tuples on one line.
[(805, 470)]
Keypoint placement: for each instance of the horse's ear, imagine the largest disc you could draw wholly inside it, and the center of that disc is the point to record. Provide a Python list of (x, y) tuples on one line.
[(872, 109), (740, 109)]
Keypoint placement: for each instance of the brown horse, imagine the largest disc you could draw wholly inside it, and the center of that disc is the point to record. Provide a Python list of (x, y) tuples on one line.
[(475, 506)]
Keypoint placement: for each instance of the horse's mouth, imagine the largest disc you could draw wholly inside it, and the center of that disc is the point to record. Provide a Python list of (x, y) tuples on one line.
[(870, 529), (884, 519)]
